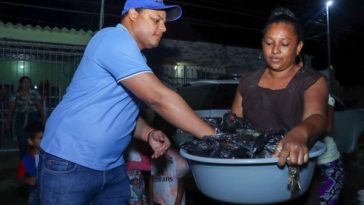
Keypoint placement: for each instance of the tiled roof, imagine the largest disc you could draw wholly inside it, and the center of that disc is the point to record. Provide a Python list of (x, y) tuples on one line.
[(44, 34)]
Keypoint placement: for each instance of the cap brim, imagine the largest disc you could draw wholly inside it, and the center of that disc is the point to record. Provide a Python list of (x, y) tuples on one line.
[(174, 12)]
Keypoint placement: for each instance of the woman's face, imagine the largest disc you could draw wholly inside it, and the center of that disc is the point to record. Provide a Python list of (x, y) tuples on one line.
[(280, 46), (25, 83)]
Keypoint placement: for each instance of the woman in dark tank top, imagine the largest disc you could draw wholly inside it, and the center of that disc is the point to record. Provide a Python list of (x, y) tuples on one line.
[(284, 95)]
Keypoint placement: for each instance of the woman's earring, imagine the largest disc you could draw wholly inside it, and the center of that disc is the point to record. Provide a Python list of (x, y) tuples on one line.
[(298, 59)]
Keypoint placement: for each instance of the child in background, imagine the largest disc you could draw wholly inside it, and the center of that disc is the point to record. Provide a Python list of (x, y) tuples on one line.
[(330, 164), (166, 187), (27, 168), (327, 185), (138, 165)]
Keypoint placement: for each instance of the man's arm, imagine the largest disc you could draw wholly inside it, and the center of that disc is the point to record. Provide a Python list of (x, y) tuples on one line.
[(156, 139), (167, 103)]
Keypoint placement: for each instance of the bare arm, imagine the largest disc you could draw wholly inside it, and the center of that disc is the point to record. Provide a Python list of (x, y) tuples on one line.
[(167, 104), (294, 144), (180, 191), (237, 106), (11, 110), (8, 122), (150, 191), (29, 180), (39, 106), (156, 139)]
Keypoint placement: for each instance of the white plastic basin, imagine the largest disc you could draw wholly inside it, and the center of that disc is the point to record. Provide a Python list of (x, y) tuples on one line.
[(249, 181)]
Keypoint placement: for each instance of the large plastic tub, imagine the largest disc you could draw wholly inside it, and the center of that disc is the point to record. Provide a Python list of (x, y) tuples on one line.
[(249, 181)]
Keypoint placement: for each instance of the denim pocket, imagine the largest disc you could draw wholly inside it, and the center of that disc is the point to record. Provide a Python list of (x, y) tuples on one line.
[(57, 165)]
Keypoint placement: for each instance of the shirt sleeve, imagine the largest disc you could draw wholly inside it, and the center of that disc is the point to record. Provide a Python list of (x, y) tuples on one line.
[(119, 54), (21, 170)]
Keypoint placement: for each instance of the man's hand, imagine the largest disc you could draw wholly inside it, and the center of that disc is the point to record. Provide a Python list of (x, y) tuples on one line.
[(159, 143)]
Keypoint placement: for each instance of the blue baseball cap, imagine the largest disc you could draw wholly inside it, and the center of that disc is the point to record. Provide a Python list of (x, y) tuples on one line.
[(174, 12)]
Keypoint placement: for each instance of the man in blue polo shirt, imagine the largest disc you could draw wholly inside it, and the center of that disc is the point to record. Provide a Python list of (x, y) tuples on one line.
[(81, 161)]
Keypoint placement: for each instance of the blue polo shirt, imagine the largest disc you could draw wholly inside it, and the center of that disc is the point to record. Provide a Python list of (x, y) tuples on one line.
[(92, 125)]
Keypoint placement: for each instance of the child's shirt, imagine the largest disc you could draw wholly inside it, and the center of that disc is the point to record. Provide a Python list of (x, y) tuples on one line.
[(165, 185), (27, 166), (138, 157)]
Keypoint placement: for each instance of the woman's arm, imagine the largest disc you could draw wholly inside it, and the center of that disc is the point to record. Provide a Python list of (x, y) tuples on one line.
[(8, 122), (294, 145), (237, 106), (39, 106)]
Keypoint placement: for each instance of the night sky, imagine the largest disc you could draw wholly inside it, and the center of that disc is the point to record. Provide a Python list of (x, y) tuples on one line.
[(229, 22)]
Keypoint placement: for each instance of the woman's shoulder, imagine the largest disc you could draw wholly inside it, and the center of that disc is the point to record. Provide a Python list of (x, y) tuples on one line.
[(250, 77), (251, 74), (307, 71), (309, 76)]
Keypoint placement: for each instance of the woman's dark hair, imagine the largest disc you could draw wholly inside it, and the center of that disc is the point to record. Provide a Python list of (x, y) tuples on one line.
[(286, 16), (33, 128), (24, 78)]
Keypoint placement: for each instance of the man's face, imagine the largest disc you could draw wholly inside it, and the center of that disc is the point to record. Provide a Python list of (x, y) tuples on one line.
[(148, 27)]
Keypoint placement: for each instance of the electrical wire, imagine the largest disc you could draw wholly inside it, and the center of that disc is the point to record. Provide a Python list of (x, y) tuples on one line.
[(218, 9), (53, 9)]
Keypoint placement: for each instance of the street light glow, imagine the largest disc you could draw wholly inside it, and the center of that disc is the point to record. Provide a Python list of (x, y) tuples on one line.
[(328, 4)]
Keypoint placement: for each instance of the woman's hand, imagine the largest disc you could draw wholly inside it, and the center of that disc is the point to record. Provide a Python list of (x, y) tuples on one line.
[(159, 143), (292, 149)]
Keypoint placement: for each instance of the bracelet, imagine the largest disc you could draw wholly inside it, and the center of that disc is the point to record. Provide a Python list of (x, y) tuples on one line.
[(147, 136)]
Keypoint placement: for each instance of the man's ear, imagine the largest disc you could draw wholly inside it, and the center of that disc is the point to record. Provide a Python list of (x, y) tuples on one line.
[(299, 47), (133, 14)]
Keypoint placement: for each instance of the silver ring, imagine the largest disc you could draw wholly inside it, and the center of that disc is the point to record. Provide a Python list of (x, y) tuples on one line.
[(286, 158)]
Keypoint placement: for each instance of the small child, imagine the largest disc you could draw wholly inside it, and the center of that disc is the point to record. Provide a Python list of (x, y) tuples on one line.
[(27, 168), (166, 179), (330, 164), (138, 164)]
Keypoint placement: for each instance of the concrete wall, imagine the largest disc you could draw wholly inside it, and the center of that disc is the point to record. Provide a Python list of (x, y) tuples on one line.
[(208, 56)]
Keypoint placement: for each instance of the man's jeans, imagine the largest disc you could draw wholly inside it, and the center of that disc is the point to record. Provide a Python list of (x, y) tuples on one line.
[(62, 182)]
